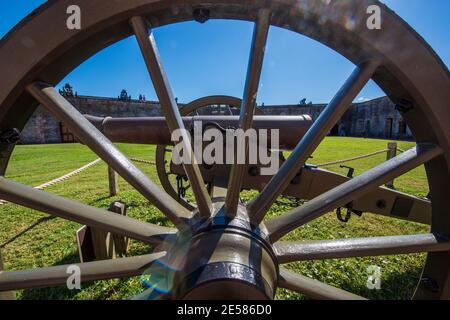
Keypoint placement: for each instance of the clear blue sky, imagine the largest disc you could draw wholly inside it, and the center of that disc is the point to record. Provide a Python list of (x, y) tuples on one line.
[(212, 58)]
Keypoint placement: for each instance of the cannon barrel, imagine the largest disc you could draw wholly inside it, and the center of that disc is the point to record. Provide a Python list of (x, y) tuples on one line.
[(154, 130)]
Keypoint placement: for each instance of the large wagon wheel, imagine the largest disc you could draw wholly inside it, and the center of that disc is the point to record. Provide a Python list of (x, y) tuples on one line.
[(40, 51)]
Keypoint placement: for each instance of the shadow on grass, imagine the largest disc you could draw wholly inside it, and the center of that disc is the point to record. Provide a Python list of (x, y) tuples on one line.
[(29, 228)]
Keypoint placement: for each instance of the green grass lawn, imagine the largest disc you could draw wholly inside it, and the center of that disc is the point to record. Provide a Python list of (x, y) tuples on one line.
[(29, 239)]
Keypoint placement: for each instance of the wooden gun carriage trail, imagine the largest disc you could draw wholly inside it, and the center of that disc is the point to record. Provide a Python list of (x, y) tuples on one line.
[(234, 251)]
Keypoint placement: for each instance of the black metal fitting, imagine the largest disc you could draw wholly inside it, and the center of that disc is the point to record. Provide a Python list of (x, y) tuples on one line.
[(201, 15), (181, 188), (349, 211), (239, 277), (345, 219), (253, 171), (350, 172)]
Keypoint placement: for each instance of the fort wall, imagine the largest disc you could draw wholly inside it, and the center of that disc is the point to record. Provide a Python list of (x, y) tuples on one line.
[(376, 118)]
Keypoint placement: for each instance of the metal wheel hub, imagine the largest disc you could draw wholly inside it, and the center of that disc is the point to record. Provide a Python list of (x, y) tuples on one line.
[(228, 258)]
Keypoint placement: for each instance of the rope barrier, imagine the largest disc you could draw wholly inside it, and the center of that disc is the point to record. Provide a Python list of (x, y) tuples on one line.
[(67, 176), (62, 178), (319, 165), (353, 159), (143, 161), (87, 166)]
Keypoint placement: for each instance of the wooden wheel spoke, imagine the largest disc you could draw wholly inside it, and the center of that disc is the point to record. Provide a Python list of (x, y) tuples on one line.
[(81, 213), (359, 247), (305, 148), (313, 288), (352, 189), (248, 106), (105, 149), (163, 90), (89, 271)]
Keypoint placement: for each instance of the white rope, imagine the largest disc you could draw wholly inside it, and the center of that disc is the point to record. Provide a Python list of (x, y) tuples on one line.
[(87, 166), (62, 178), (353, 159), (67, 176), (142, 161)]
